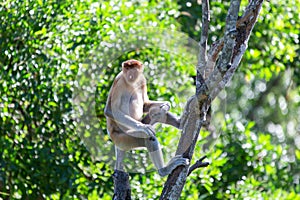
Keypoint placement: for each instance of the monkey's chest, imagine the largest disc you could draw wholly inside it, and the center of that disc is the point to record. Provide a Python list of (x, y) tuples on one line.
[(133, 106)]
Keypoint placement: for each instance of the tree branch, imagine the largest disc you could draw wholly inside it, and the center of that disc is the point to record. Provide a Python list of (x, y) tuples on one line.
[(207, 88), (224, 61), (243, 31), (250, 14), (198, 164), (202, 58), (213, 55), (195, 117)]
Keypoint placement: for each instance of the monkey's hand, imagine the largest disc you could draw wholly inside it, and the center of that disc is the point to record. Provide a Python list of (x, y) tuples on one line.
[(165, 106), (159, 114), (148, 130), (142, 131)]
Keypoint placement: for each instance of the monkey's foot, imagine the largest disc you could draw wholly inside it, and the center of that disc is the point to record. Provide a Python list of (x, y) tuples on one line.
[(174, 162)]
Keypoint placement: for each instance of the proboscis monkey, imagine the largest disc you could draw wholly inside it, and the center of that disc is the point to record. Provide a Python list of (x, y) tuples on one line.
[(126, 104)]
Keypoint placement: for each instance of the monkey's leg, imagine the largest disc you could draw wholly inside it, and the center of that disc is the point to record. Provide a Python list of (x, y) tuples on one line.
[(120, 157), (173, 163), (123, 143), (155, 152), (157, 158), (173, 120)]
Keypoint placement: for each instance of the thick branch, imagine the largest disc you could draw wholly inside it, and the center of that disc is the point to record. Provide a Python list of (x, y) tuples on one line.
[(244, 31), (213, 54), (193, 110), (195, 117), (224, 61), (216, 48), (197, 106), (230, 34)]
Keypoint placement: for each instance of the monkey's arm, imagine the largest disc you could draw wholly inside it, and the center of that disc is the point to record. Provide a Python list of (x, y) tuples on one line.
[(148, 104), (160, 115), (158, 112), (134, 127), (121, 118)]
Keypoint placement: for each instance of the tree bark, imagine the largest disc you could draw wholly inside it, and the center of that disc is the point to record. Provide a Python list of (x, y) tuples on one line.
[(233, 46), (122, 189)]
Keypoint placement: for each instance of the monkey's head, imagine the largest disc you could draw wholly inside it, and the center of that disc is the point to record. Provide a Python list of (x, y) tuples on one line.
[(132, 70)]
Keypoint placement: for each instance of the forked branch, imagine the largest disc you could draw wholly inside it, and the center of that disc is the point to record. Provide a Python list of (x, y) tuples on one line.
[(199, 163), (208, 85)]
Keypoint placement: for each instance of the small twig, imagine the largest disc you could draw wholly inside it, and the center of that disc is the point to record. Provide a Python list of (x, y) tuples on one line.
[(198, 164)]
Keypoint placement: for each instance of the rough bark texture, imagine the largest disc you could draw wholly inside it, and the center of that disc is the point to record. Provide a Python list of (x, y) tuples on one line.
[(233, 46), (202, 57), (122, 186)]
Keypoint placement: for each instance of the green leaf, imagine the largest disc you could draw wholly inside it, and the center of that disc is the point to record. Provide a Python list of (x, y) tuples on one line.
[(52, 103)]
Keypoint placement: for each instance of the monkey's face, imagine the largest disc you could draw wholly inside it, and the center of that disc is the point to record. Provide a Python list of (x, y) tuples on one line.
[(132, 73), (132, 70)]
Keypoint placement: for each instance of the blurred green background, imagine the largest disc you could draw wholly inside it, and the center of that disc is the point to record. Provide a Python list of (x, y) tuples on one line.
[(49, 49)]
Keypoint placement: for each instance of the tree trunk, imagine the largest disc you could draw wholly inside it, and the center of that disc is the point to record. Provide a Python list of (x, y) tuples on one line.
[(122, 189), (233, 46)]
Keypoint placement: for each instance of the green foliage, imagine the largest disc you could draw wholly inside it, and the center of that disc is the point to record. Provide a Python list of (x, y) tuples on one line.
[(43, 46), (274, 44), (49, 49), (246, 165)]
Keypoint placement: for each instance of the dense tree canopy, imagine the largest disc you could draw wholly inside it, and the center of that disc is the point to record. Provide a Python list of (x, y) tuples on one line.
[(57, 54)]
